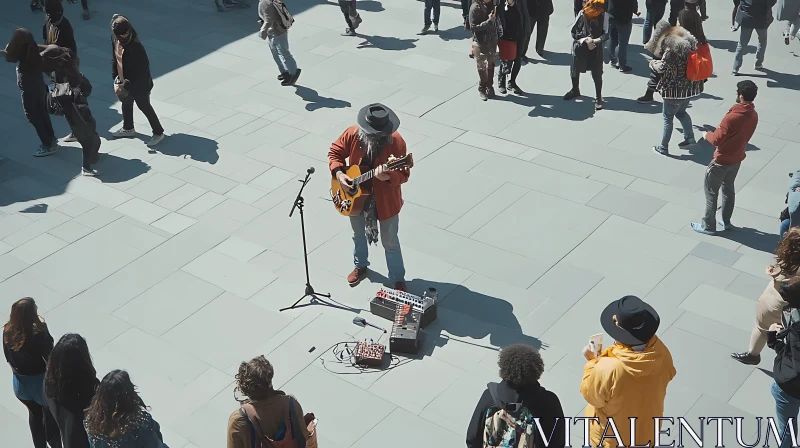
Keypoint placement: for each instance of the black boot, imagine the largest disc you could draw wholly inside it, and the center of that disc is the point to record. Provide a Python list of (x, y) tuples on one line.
[(501, 83), (646, 98)]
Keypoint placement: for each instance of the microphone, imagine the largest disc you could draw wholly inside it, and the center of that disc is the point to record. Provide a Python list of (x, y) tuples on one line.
[(310, 170), (360, 321)]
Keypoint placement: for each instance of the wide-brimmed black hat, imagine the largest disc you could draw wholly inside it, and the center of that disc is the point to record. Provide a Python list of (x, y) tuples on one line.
[(637, 322), (377, 119)]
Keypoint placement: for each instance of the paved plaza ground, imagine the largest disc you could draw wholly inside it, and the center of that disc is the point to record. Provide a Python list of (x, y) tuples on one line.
[(527, 213)]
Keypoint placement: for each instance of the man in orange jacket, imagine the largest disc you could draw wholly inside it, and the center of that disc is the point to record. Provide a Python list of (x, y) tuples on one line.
[(370, 143)]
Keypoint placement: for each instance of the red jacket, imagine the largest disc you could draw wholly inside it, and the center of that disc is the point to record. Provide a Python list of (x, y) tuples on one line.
[(733, 134), (388, 196)]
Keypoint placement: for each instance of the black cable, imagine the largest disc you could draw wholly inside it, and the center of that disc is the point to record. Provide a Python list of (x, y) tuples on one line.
[(345, 356)]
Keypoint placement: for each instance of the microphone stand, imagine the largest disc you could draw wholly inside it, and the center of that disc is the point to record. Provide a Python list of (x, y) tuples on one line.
[(298, 204)]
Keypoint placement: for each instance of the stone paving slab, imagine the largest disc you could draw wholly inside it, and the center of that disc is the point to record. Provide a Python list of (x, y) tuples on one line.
[(528, 214)]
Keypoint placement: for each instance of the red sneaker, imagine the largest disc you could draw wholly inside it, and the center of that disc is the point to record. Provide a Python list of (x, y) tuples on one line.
[(356, 276), (400, 286)]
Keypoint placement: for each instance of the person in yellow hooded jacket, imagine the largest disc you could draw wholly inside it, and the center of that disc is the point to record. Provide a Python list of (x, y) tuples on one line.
[(629, 378)]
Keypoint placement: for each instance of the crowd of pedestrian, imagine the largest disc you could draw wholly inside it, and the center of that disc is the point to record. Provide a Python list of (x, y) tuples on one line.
[(69, 407)]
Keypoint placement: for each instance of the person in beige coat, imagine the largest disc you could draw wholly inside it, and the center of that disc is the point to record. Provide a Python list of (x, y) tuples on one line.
[(771, 304)]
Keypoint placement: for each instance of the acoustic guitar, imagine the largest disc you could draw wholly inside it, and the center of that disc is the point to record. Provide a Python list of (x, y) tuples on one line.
[(350, 202)]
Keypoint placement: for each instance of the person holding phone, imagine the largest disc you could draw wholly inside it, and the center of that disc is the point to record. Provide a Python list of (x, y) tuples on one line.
[(589, 32), (637, 365), (482, 21), (267, 408)]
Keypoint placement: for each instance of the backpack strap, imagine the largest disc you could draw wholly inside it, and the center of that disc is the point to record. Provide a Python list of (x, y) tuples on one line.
[(514, 406), (256, 434)]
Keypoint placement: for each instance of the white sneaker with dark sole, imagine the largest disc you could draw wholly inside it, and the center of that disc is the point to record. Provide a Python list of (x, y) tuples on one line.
[(124, 133), (90, 172)]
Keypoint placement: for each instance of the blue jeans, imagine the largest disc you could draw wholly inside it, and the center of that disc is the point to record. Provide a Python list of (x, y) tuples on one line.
[(620, 35), (654, 14), (391, 245), (29, 388), (786, 407), (279, 45), (436, 5), (744, 39), (672, 109)]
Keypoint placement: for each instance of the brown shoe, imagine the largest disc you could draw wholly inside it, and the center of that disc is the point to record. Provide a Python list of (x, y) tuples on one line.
[(356, 276), (400, 286)]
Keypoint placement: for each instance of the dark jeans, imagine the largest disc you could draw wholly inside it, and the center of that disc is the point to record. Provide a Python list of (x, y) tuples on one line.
[(675, 7), (597, 76), (143, 103), (655, 12), (515, 65), (465, 8), (652, 83), (542, 24), (34, 103), (618, 45), (84, 131), (43, 426), (85, 5), (719, 176), (348, 8), (437, 6)]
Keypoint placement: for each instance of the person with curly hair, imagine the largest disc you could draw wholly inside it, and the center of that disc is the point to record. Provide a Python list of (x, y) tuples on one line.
[(265, 410), (629, 378), (770, 305), (118, 417), (521, 366)]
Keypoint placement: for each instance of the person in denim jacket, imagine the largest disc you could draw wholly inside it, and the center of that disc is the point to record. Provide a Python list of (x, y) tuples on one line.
[(118, 418)]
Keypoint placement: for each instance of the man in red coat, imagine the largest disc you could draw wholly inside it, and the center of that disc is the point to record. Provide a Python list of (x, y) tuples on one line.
[(370, 143)]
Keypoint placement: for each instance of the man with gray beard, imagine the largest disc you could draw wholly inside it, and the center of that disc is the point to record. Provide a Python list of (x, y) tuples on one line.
[(369, 144)]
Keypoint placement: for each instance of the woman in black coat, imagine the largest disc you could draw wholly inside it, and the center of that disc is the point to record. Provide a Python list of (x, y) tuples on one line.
[(130, 68), (22, 49), (69, 385), (511, 44), (26, 345)]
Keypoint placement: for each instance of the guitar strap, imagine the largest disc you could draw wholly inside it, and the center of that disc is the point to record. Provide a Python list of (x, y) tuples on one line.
[(370, 211)]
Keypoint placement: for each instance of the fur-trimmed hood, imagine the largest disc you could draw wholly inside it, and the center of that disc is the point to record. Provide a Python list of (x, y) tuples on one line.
[(674, 38)]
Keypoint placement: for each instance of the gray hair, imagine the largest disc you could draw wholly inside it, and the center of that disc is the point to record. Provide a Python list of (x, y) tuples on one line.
[(373, 144)]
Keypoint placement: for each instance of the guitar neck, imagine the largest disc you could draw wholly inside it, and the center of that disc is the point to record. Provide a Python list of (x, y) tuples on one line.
[(365, 177)]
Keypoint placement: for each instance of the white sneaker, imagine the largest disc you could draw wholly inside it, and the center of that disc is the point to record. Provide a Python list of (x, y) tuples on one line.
[(435, 27), (758, 66), (124, 133), (156, 139), (90, 172), (69, 139), (45, 151)]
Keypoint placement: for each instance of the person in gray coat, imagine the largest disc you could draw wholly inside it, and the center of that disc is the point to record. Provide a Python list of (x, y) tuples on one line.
[(789, 12)]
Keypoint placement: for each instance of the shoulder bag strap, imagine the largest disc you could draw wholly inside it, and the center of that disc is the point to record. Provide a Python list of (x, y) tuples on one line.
[(256, 434)]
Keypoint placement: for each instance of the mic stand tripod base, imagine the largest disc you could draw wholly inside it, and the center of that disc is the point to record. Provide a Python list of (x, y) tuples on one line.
[(309, 293)]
